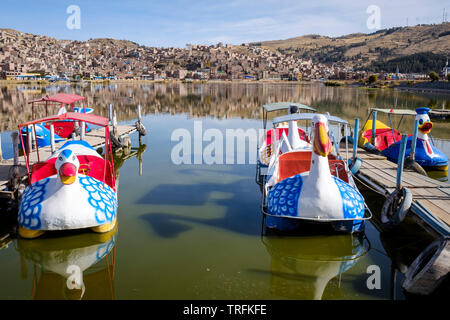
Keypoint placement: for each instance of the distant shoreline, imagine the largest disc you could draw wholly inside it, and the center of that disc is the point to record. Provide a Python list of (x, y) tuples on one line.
[(46, 82), (420, 86)]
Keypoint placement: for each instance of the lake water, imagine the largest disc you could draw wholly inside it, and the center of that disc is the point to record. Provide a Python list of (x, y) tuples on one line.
[(194, 231)]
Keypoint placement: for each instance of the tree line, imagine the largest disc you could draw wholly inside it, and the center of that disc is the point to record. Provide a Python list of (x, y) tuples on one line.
[(415, 63)]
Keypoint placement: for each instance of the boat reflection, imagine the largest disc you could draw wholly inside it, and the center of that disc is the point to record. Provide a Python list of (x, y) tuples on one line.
[(438, 175), (302, 267), (75, 267)]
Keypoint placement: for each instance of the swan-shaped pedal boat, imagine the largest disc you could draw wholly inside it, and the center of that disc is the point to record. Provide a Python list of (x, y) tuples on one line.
[(387, 140), (313, 186), (426, 154), (73, 189)]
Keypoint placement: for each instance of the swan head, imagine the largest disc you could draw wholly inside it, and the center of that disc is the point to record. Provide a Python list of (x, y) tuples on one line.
[(425, 125), (67, 165), (321, 144)]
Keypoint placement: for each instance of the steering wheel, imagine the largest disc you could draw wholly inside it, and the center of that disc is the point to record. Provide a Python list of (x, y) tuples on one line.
[(84, 171), (58, 130), (338, 167)]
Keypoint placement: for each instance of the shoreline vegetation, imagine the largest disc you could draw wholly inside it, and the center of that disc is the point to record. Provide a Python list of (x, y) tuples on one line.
[(420, 85)]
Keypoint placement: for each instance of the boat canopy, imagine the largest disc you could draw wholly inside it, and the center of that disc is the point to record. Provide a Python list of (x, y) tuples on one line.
[(307, 116), (60, 98), (402, 112), (75, 116), (285, 105)]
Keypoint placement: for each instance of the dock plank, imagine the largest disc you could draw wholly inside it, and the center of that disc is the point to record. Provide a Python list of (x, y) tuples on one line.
[(434, 195)]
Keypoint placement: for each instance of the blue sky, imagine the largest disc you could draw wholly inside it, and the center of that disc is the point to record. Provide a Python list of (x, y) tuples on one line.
[(177, 22)]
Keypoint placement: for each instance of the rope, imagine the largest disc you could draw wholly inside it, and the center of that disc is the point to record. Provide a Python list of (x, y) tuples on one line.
[(367, 186)]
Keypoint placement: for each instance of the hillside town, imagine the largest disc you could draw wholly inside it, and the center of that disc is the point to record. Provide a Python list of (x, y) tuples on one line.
[(29, 57)]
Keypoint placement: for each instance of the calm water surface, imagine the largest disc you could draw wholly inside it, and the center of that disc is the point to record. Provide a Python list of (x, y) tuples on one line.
[(194, 231)]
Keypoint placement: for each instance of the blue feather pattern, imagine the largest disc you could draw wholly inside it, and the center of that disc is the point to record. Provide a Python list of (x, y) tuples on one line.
[(352, 200), (30, 207), (104, 201), (282, 199)]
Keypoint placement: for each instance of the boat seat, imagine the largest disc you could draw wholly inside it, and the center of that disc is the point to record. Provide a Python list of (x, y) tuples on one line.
[(42, 170), (63, 129), (91, 166), (279, 132), (292, 163), (383, 137)]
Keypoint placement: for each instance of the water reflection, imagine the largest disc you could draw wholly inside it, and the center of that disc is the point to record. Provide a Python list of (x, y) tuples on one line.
[(218, 100), (302, 267), (79, 266)]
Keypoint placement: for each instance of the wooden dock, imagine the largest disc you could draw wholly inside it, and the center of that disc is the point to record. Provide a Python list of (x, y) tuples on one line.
[(96, 138), (431, 198)]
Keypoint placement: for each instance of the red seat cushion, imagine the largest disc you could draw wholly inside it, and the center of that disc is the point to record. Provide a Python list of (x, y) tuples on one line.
[(383, 137), (293, 163)]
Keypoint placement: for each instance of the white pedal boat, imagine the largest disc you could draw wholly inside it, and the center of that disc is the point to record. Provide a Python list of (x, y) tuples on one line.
[(73, 189), (312, 186)]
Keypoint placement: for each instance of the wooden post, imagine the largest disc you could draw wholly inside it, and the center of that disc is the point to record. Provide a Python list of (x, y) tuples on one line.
[(401, 160), (15, 173), (114, 123), (29, 140), (374, 126), (33, 136), (414, 140), (346, 142), (83, 130), (355, 138), (76, 127), (139, 113), (110, 113), (52, 137), (140, 163), (15, 141)]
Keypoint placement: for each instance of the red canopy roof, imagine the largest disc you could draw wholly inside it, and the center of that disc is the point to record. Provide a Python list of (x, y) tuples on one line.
[(90, 118), (61, 98)]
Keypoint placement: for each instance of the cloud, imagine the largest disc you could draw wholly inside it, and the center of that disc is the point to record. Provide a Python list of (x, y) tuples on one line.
[(177, 22)]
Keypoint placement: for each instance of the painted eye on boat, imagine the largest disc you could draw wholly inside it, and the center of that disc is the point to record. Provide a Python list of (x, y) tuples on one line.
[(421, 121), (60, 158), (73, 158)]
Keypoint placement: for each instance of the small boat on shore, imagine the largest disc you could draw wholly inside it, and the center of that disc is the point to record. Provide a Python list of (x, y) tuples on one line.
[(386, 139), (312, 185), (74, 188)]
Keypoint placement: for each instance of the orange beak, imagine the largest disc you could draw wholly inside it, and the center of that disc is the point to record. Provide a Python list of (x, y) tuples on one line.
[(68, 173), (426, 127), (322, 144)]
